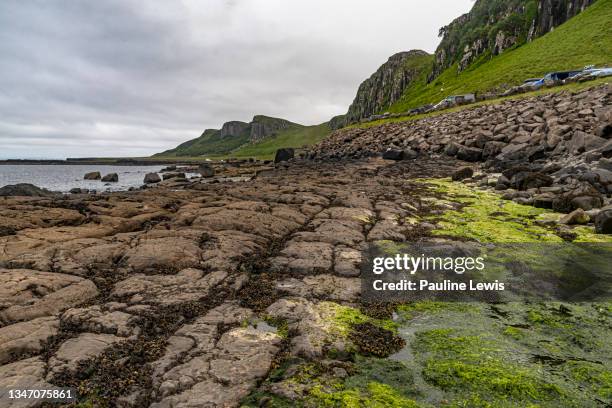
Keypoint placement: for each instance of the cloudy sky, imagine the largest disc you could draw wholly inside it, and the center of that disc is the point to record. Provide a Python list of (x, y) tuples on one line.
[(132, 78)]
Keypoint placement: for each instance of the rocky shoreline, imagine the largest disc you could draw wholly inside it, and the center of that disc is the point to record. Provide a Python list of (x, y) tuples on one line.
[(243, 287)]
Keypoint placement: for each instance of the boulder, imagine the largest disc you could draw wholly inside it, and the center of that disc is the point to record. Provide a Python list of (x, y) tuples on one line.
[(463, 173), (26, 190), (410, 154), (451, 149), (469, 154), (110, 178), (151, 178), (575, 217), (284, 154), (392, 154), (206, 170), (94, 175), (168, 176), (526, 180), (603, 221)]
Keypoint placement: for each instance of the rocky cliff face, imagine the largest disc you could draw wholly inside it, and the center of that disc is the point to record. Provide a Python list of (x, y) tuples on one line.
[(386, 85), (233, 128), (265, 126), (493, 26)]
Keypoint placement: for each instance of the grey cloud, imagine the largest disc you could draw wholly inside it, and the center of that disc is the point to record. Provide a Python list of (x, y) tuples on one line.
[(126, 77)]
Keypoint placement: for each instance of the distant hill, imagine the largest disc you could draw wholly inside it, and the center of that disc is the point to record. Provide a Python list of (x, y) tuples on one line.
[(258, 138), (499, 43)]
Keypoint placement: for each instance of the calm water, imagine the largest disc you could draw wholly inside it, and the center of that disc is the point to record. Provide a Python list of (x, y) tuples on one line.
[(65, 177)]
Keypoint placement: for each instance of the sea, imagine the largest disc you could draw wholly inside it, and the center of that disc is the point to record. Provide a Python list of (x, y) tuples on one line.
[(64, 177)]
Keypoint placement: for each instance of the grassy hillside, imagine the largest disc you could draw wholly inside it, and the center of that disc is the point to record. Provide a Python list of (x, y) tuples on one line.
[(306, 135), (583, 40)]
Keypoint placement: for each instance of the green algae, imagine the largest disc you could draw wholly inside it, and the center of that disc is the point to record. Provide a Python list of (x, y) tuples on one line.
[(486, 217), (475, 363), (410, 310), (374, 395), (345, 317), (596, 376)]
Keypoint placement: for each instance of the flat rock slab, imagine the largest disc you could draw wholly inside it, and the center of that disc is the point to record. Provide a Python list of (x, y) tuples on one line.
[(27, 294), (26, 337), (84, 347), (187, 285)]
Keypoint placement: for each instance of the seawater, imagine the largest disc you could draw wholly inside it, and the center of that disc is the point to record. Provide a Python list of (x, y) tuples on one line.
[(64, 177)]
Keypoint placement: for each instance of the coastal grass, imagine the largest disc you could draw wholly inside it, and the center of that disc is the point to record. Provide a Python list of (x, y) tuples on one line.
[(582, 40)]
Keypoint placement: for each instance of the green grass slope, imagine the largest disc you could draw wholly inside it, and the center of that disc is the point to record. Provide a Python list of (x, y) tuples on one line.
[(304, 136), (583, 40)]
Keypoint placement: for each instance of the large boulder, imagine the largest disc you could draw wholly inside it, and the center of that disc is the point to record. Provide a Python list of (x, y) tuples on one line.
[(603, 221), (110, 178), (25, 189), (206, 170), (284, 154), (463, 173), (94, 175), (469, 154), (527, 180), (151, 178)]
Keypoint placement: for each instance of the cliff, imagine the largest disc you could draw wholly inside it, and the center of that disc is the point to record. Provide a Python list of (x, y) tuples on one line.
[(493, 26), (386, 85)]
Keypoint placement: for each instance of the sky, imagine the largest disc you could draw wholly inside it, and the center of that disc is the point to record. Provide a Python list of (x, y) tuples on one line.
[(117, 78)]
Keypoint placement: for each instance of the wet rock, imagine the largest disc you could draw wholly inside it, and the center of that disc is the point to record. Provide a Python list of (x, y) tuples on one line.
[(151, 178), (25, 190), (110, 178), (463, 173), (575, 217), (206, 170), (94, 175), (168, 176), (603, 221), (284, 154), (469, 154)]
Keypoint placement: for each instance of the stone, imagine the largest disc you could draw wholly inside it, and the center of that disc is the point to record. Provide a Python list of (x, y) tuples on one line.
[(392, 154), (94, 175), (206, 170), (151, 178), (469, 154), (79, 349), (451, 149), (463, 173), (27, 294), (26, 337), (575, 217), (526, 180), (110, 178), (25, 190), (284, 154), (603, 221), (187, 285), (168, 176)]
